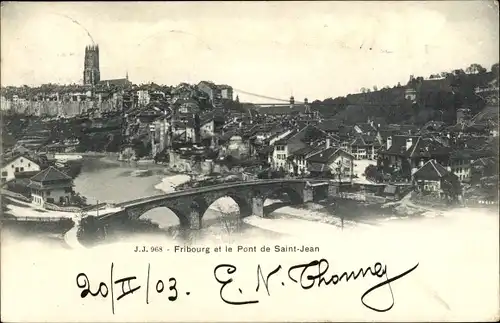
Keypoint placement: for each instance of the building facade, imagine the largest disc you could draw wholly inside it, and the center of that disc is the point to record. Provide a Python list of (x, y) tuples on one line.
[(17, 165), (51, 186)]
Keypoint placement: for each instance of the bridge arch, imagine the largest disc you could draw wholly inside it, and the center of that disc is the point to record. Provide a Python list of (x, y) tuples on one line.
[(290, 194), (227, 198), (158, 217)]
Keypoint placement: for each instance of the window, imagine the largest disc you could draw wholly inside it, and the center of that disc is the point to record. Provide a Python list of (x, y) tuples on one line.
[(4, 174), (21, 160), (12, 165), (29, 164), (22, 169), (17, 170)]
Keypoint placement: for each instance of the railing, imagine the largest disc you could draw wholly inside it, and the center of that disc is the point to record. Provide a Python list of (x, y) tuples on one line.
[(486, 89), (53, 207), (210, 188), (95, 207), (15, 195), (36, 219), (477, 202)]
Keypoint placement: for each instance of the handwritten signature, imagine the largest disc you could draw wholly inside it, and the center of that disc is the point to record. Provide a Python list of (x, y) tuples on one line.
[(308, 281)]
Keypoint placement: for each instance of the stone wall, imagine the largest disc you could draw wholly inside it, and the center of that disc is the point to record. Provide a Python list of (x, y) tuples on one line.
[(54, 108), (179, 164)]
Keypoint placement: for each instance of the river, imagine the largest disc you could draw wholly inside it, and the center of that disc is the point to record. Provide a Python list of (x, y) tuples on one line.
[(105, 180)]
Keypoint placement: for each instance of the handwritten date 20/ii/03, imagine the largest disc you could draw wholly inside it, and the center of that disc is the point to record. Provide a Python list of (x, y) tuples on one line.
[(307, 276), (128, 286)]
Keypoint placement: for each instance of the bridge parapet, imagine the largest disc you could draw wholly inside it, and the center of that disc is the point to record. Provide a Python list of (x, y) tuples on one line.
[(190, 205)]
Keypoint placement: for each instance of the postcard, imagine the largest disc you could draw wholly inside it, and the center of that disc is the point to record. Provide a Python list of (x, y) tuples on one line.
[(249, 161)]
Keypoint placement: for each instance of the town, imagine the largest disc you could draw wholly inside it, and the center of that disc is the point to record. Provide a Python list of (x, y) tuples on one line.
[(433, 140)]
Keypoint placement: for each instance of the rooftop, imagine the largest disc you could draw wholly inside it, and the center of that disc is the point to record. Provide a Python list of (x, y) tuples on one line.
[(50, 174), (432, 171)]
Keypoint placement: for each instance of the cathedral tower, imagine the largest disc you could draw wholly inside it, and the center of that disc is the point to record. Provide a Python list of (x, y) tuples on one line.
[(91, 74)]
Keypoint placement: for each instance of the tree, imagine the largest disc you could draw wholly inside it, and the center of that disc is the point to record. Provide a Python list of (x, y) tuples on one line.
[(451, 187), (494, 69), (78, 200), (475, 69), (375, 88), (229, 221), (372, 173)]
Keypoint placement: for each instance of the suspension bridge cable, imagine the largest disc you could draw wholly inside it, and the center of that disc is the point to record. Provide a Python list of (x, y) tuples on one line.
[(261, 96)]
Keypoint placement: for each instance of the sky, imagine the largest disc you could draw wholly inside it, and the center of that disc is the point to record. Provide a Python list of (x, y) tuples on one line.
[(311, 50)]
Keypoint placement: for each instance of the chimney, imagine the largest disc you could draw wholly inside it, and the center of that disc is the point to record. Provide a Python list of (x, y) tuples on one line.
[(389, 142), (409, 142), (327, 143)]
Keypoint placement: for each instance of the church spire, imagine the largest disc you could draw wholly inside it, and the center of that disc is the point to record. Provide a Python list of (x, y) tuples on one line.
[(126, 75)]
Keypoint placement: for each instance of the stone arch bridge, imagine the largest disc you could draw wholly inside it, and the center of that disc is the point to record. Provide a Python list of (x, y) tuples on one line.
[(190, 205)]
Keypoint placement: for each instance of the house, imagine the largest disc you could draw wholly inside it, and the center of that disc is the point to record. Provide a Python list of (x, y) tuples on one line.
[(147, 114), (331, 160), (235, 144), (213, 91), (363, 146), (51, 186), (261, 132), (462, 160), (483, 167), (265, 153), (405, 154), (187, 106), (365, 129), (433, 126), (431, 176), (226, 92), (114, 83), (298, 159), (143, 97), (184, 130), (384, 133), (281, 110), (207, 127), (18, 164), (411, 94), (330, 126), (286, 144)]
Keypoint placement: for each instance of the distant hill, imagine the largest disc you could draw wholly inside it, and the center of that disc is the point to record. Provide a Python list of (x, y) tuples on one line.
[(437, 98)]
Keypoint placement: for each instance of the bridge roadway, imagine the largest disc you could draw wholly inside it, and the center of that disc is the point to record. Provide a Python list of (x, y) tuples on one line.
[(212, 188), (204, 189)]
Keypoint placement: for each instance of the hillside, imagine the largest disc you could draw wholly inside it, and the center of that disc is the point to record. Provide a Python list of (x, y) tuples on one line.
[(437, 98)]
